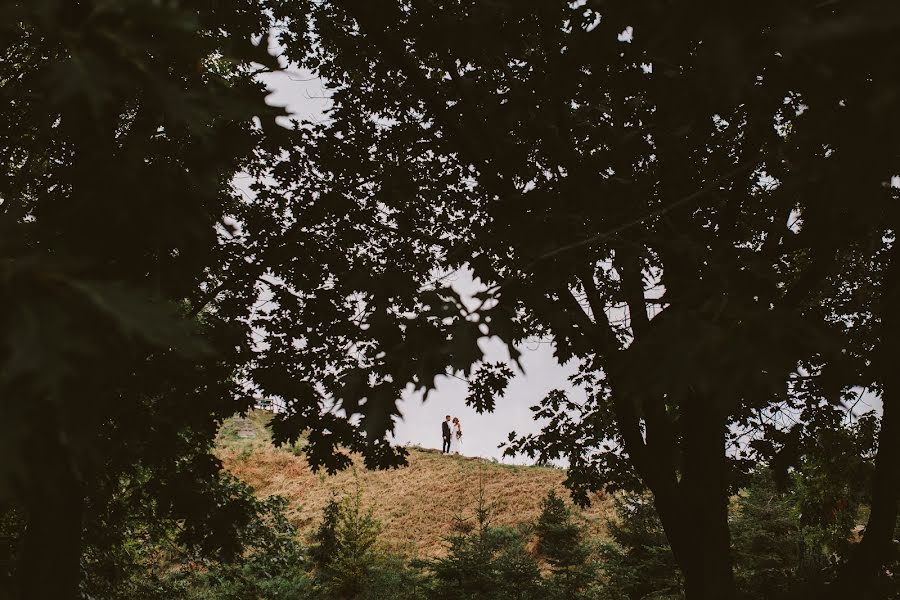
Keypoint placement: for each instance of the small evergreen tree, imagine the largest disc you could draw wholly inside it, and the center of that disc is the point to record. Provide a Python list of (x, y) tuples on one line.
[(767, 539), (562, 543), (349, 565), (486, 562), (346, 550), (324, 540), (638, 563)]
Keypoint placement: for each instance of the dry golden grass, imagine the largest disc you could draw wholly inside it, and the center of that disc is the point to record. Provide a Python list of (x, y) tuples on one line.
[(416, 505)]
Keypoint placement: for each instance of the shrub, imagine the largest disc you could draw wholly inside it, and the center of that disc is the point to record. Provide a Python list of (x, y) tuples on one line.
[(131, 554), (273, 565)]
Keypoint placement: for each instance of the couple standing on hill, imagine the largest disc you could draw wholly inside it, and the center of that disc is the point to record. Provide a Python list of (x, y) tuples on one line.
[(452, 433)]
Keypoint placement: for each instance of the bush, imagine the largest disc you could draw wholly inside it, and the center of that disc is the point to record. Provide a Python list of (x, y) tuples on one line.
[(391, 577), (273, 565), (131, 554)]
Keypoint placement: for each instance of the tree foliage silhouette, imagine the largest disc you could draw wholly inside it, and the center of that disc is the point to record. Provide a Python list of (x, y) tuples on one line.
[(692, 203), (123, 126)]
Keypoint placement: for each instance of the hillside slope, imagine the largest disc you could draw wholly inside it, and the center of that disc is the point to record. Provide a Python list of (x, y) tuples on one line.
[(416, 504)]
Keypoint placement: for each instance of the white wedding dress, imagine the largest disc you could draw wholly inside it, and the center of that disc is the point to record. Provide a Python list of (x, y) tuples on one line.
[(455, 440)]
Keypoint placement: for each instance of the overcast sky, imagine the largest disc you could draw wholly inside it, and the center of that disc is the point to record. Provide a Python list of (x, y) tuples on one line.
[(482, 433), (305, 98)]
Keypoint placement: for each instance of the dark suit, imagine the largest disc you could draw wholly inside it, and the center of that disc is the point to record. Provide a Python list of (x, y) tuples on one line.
[(445, 430)]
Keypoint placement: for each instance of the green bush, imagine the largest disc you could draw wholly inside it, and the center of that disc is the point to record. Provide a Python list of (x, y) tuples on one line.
[(391, 577), (273, 566), (130, 554)]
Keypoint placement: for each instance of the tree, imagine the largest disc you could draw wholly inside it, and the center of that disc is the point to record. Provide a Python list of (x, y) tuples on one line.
[(324, 540), (345, 553), (638, 562), (354, 558), (348, 561), (768, 541), (670, 194), (692, 205), (123, 126), (562, 543), (484, 562)]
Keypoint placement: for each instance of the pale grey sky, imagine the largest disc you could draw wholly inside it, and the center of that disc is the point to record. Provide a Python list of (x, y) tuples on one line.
[(482, 433)]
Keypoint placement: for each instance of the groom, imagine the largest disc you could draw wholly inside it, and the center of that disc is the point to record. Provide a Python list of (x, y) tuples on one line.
[(445, 430)]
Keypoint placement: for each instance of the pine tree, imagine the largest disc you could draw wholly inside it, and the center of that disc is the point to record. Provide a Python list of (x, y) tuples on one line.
[(347, 547), (563, 544), (639, 563), (486, 562), (767, 539), (325, 537)]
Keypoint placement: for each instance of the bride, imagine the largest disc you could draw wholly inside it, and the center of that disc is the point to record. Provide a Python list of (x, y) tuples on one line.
[(455, 437)]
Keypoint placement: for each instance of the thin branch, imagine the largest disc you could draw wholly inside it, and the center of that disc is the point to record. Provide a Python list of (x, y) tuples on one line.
[(424, 237), (592, 293), (629, 268), (652, 215), (573, 308)]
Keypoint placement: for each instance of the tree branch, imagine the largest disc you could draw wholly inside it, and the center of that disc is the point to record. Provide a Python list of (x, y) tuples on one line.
[(651, 215), (423, 237), (593, 295), (629, 267), (365, 14)]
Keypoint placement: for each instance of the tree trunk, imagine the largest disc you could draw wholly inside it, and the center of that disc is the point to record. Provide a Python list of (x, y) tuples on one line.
[(874, 551), (49, 566), (706, 563), (876, 547), (694, 510)]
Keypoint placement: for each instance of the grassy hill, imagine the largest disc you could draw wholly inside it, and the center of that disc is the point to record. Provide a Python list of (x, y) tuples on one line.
[(416, 504)]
